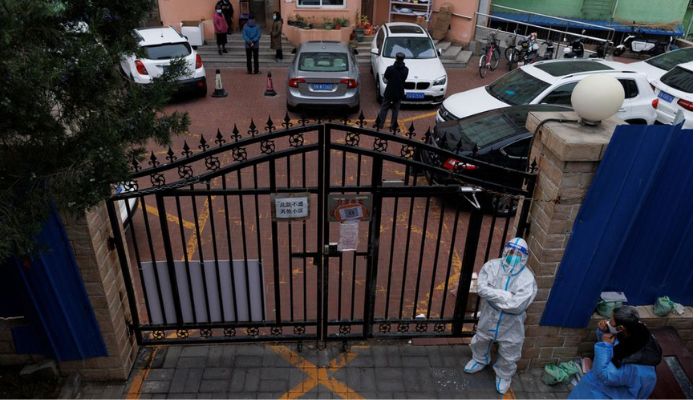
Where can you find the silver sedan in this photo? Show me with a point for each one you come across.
(324, 74)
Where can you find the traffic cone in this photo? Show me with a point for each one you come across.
(219, 90)
(269, 90)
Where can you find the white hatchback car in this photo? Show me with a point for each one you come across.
(551, 82)
(160, 46)
(656, 66)
(675, 95)
(427, 78)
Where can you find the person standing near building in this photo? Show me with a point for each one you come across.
(251, 37)
(507, 287)
(220, 29)
(395, 78)
(276, 35)
(624, 365)
(227, 9)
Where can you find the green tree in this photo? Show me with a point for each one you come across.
(69, 122)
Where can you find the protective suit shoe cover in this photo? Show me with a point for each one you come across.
(473, 366)
(502, 385)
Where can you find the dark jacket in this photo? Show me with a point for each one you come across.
(395, 76)
(276, 35)
(226, 8)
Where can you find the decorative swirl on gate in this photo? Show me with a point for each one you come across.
(296, 140)
(183, 333)
(380, 145)
(267, 146)
(212, 163)
(185, 171)
(384, 327)
(205, 332)
(344, 329)
(157, 179)
(239, 154)
(421, 327)
(253, 331)
(407, 151)
(403, 327)
(130, 186)
(439, 327)
(352, 139)
(158, 335)
(229, 332)
(299, 329)
(276, 331)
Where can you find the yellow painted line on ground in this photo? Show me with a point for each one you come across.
(134, 390)
(317, 375)
(417, 117)
(171, 218)
(202, 220)
(510, 395)
(440, 287)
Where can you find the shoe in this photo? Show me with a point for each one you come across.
(225, 51)
(502, 385)
(473, 366)
(256, 72)
(219, 51)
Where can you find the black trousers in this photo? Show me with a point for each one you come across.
(252, 52)
(278, 54)
(387, 104)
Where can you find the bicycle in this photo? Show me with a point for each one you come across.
(491, 57)
(525, 53)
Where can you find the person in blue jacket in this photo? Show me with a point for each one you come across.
(251, 37)
(625, 358)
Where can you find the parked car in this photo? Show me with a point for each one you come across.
(323, 73)
(498, 137)
(159, 47)
(674, 91)
(656, 66)
(551, 82)
(427, 78)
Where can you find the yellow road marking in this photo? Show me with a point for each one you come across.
(417, 117)
(440, 287)
(202, 220)
(171, 218)
(134, 390)
(317, 375)
(510, 395)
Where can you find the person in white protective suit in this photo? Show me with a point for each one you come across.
(506, 287)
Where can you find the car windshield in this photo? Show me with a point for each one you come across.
(516, 87)
(167, 51)
(493, 126)
(669, 60)
(679, 79)
(412, 47)
(323, 62)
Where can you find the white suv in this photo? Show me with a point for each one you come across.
(160, 46)
(675, 95)
(427, 78)
(551, 82)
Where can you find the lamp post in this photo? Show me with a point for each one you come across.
(596, 98)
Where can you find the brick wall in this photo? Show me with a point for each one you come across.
(568, 156)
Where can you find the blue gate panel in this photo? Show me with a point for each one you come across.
(55, 288)
(634, 229)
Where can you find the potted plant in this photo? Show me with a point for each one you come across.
(366, 25)
(338, 23)
(327, 24)
(359, 30)
(344, 22)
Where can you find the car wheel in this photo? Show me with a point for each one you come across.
(378, 92)
(202, 91)
(292, 108)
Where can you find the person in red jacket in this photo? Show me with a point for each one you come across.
(220, 28)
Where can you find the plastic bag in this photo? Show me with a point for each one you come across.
(663, 306)
(563, 372)
(605, 308)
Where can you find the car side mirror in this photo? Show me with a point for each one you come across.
(439, 51)
(355, 52)
(375, 51)
(294, 50)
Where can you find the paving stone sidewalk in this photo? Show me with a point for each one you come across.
(278, 371)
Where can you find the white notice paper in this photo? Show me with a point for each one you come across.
(349, 232)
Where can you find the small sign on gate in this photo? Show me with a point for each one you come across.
(349, 207)
(290, 206)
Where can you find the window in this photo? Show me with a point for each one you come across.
(560, 95)
(323, 62)
(679, 79)
(630, 86)
(669, 60)
(320, 3)
(518, 149)
(380, 39)
(167, 51)
(516, 87)
(412, 47)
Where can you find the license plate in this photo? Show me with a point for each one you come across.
(322, 86)
(415, 96)
(665, 96)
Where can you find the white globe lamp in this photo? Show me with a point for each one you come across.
(596, 98)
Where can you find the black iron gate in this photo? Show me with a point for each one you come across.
(244, 239)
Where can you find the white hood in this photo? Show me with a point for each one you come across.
(472, 102)
(424, 69)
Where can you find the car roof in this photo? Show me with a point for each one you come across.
(320, 45)
(688, 66)
(552, 71)
(404, 29)
(671, 54)
(158, 35)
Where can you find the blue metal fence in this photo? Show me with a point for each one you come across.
(634, 230)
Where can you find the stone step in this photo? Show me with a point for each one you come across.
(450, 53)
(443, 45)
(463, 56)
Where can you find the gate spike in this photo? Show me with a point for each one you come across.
(394, 129)
(411, 131)
(361, 119)
(219, 138)
(303, 121)
(269, 127)
(426, 136)
(318, 120)
(235, 134)
(135, 163)
(533, 166)
(170, 155)
(186, 150)
(376, 124)
(345, 120)
(203, 143)
(286, 121)
(459, 146)
(154, 161)
(252, 129)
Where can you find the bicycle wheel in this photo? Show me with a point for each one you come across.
(495, 58)
(511, 57)
(482, 66)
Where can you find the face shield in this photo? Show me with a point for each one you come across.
(514, 256)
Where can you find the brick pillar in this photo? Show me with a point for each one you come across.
(101, 272)
(567, 155)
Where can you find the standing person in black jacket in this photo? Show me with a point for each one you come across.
(395, 77)
(227, 9)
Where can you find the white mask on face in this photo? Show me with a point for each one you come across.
(611, 328)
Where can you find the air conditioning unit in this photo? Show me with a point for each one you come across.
(193, 31)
